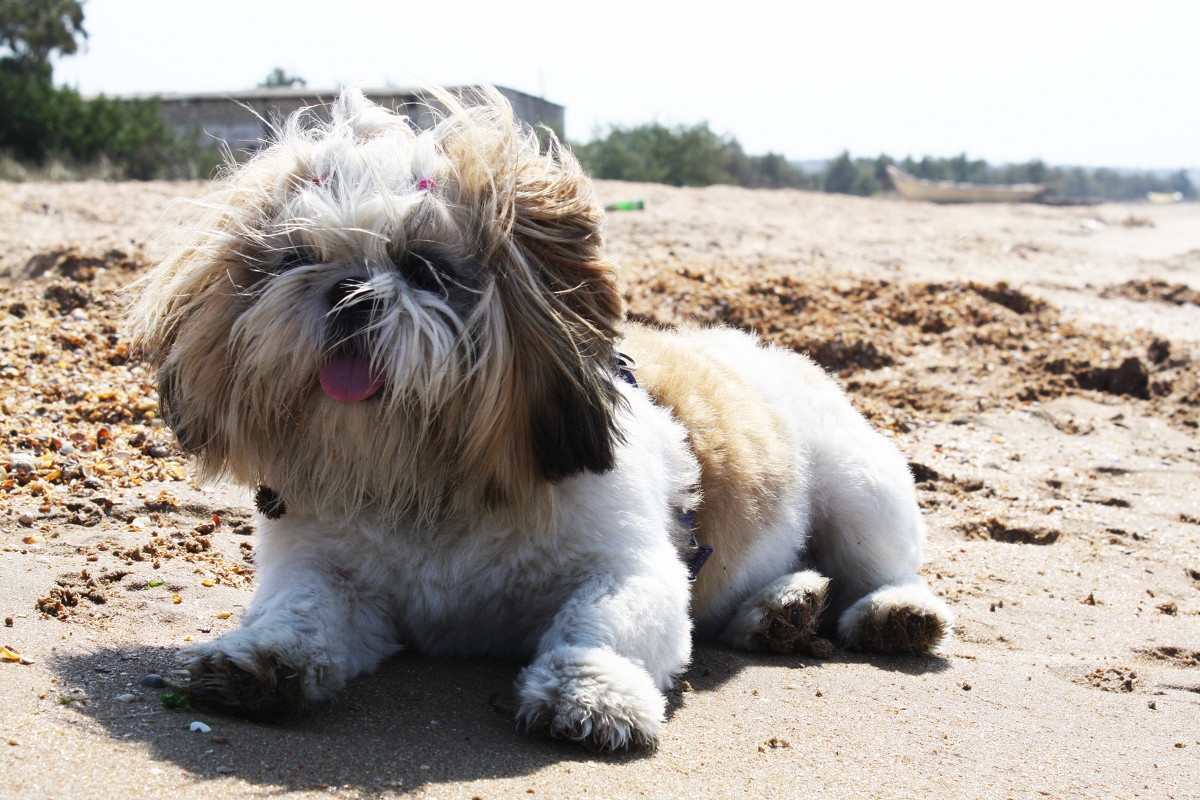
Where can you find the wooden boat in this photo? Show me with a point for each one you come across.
(911, 187)
(1163, 198)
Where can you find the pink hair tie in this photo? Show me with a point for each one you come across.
(425, 184)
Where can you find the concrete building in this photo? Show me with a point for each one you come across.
(242, 119)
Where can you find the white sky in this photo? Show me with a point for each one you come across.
(1097, 83)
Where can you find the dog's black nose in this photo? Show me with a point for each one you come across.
(344, 289)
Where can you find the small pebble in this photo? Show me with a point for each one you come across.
(127, 697)
(26, 519)
(22, 464)
(153, 681)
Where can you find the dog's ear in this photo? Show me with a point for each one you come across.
(567, 319)
(170, 405)
(179, 313)
(539, 231)
(187, 339)
(572, 422)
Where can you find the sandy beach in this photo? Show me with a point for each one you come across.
(1037, 366)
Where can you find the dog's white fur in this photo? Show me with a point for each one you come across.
(504, 493)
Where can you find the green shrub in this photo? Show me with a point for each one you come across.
(686, 155)
(125, 139)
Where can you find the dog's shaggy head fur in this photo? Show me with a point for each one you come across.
(370, 316)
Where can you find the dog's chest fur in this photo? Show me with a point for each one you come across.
(457, 592)
(488, 587)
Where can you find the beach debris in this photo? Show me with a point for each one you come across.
(153, 681)
(174, 702)
(1111, 679)
(199, 727)
(12, 656)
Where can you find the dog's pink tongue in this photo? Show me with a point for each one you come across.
(349, 378)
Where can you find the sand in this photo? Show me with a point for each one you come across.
(1037, 366)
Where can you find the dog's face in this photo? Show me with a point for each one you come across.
(369, 316)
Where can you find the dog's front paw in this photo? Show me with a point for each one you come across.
(896, 619)
(256, 678)
(592, 696)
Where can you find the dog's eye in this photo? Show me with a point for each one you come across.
(423, 272)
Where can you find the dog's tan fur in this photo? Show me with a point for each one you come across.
(741, 443)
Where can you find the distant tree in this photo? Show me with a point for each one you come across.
(881, 173)
(773, 171)
(695, 156)
(33, 29)
(687, 155)
(1035, 172)
(40, 122)
(1182, 183)
(840, 175)
(1072, 182)
(279, 78)
(860, 176)
(35, 113)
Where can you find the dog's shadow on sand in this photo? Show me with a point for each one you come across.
(414, 722)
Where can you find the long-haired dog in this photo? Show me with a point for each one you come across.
(412, 344)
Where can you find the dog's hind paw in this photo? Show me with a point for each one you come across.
(782, 617)
(896, 619)
(592, 696)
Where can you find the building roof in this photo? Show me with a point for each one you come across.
(264, 93)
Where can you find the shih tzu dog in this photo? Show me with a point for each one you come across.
(412, 344)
